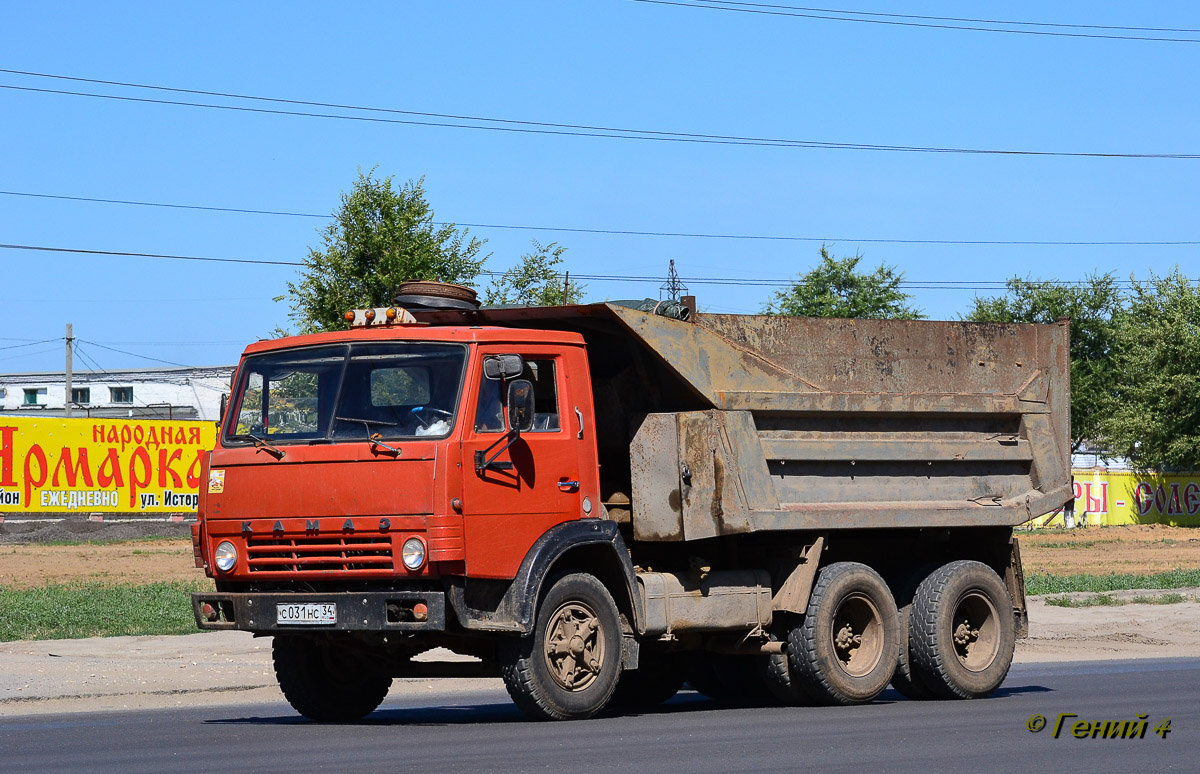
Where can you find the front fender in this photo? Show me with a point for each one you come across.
(510, 606)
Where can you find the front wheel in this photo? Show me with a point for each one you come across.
(324, 682)
(568, 668)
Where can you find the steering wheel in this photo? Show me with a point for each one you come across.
(416, 412)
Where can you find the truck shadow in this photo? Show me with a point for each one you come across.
(503, 712)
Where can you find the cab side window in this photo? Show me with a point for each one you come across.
(489, 412)
(545, 394)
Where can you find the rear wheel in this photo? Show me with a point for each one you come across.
(907, 679)
(844, 650)
(777, 675)
(962, 630)
(567, 669)
(324, 682)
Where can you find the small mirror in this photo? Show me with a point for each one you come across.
(224, 405)
(503, 366)
(520, 405)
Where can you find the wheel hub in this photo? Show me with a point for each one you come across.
(963, 634)
(976, 632)
(846, 638)
(574, 649)
(857, 635)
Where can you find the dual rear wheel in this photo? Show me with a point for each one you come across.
(954, 637)
(961, 634)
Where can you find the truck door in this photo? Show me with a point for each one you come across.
(534, 483)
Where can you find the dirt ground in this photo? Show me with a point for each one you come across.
(1142, 549)
(30, 564)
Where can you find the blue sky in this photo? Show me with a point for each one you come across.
(608, 63)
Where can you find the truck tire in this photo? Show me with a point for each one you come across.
(659, 677)
(568, 667)
(777, 676)
(907, 679)
(324, 683)
(844, 650)
(962, 631)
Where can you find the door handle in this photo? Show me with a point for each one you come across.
(567, 485)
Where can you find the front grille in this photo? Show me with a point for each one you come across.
(320, 554)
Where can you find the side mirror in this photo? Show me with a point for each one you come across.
(520, 405)
(503, 366)
(224, 406)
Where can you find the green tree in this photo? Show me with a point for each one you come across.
(380, 236)
(1094, 307)
(535, 281)
(1155, 420)
(836, 288)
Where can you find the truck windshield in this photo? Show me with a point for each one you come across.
(347, 392)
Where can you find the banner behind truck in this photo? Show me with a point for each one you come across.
(57, 465)
(1108, 497)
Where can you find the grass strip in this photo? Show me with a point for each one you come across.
(71, 611)
(1046, 583)
(1100, 600)
(1104, 600)
(1073, 544)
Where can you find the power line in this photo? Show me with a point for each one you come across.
(134, 354)
(149, 255)
(540, 127)
(27, 354)
(737, 281)
(161, 204)
(31, 344)
(829, 15)
(629, 232)
(959, 19)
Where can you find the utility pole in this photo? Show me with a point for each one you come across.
(672, 287)
(70, 344)
(566, 287)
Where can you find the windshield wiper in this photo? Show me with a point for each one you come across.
(373, 438)
(262, 443)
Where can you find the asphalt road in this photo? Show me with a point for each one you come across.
(484, 732)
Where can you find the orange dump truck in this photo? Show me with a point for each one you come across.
(601, 502)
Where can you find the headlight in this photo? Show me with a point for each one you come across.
(413, 553)
(225, 557)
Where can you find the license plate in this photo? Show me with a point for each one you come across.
(306, 613)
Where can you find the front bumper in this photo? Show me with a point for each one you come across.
(362, 611)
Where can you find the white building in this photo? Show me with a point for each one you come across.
(148, 393)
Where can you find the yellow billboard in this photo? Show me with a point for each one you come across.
(58, 465)
(1104, 497)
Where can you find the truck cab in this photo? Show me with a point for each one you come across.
(338, 450)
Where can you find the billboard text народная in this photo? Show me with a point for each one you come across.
(55, 465)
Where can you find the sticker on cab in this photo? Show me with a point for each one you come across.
(216, 481)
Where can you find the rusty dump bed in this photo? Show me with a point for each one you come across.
(730, 424)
